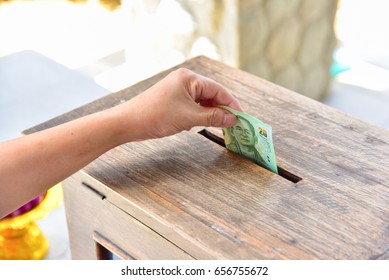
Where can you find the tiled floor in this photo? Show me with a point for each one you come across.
(369, 105)
(34, 89)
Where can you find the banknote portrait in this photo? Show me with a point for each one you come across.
(244, 140)
(252, 139)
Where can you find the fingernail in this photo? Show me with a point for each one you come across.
(229, 119)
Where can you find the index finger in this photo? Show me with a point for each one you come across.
(211, 93)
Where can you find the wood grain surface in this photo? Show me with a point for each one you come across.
(213, 204)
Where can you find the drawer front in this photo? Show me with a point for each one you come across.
(98, 229)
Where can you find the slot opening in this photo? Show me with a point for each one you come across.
(106, 250)
(220, 141)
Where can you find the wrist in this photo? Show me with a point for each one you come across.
(123, 124)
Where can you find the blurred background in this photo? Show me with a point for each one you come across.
(58, 55)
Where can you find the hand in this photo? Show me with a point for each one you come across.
(179, 102)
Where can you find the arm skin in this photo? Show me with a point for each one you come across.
(31, 164)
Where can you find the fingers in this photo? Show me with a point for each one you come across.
(208, 92)
(219, 96)
(211, 92)
(179, 102)
(215, 117)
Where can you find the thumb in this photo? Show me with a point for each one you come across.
(216, 117)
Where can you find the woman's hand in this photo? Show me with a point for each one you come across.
(178, 102)
(38, 161)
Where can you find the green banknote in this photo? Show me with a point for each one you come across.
(252, 139)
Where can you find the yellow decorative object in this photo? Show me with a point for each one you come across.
(20, 236)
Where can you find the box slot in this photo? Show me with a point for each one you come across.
(220, 141)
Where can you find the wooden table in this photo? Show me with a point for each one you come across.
(188, 197)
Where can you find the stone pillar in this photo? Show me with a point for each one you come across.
(288, 42)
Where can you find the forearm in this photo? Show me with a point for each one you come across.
(31, 164)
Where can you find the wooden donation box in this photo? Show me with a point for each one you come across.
(187, 197)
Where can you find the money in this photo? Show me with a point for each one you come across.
(252, 139)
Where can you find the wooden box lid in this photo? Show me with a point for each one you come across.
(215, 204)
